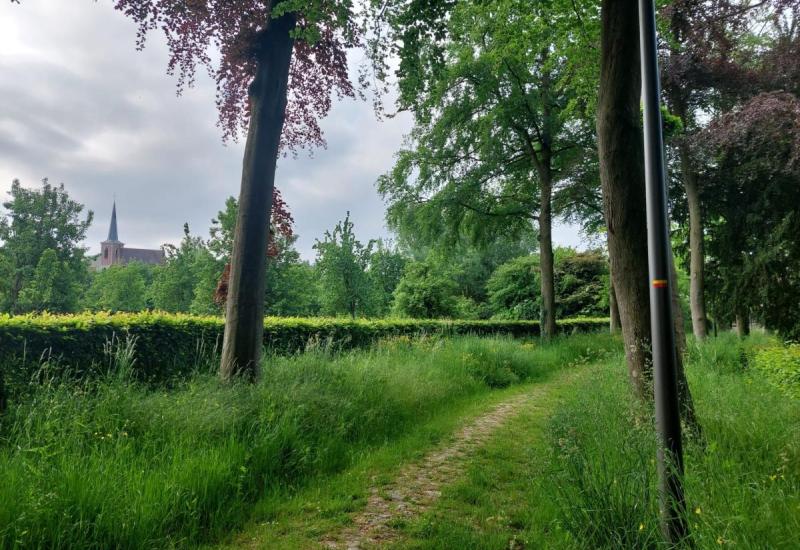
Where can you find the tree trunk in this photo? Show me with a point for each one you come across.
(546, 262)
(621, 153)
(743, 323)
(684, 393)
(620, 148)
(677, 313)
(244, 322)
(697, 301)
(615, 325)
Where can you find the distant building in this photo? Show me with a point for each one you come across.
(114, 252)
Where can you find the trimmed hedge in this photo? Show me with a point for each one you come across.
(168, 345)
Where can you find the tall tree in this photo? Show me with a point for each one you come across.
(280, 64)
(342, 263)
(52, 287)
(292, 285)
(174, 283)
(621, 149)
(222, 231)
(37, 221)
(751, 168)
(386, 267)
(493, 136)
(426, 291)
(705, 57)
(119, 288)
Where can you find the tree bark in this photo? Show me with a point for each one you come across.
(244, 322)
(677, 314)
(678, 96)
(546, 261)
(620, 148)
(697, 301)
(684, 393)
(742, 323)
(621, 153)
(615, 325)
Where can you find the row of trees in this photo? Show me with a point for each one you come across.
(519, 116)
(375, 279)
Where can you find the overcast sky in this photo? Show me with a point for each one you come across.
(80, 105)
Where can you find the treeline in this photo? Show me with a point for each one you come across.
(522, 115)
(47, 269)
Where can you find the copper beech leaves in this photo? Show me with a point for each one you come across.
(223, 36)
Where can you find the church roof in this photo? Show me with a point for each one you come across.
(112, 229)
(144, 255)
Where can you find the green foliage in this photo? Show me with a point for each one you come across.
(425, 292)
(119, 288)
(342, 263)
(115, 464)
(292, 288)
(750, 194)
(41, 258)
(580, 280)
(386, 268)
(221, 231)
(187, 280)
(742, 483)
(781, 365)
(171, 345)
(514, 289)
(580, 284)
(53, 286)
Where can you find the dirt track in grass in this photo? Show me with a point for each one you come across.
(418, 485)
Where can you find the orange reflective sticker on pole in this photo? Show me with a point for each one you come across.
(659, 283)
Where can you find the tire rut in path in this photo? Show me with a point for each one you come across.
(419, 484)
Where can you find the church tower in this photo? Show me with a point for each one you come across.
(111, 248)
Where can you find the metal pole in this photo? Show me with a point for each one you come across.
(670, 452)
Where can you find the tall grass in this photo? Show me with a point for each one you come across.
(114, 464)
(742, 483)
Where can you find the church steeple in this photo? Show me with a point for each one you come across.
(112, 230)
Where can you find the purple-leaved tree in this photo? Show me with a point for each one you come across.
(280, 65)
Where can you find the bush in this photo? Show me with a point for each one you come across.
(173, 345)
(781, 365)
(426, 290)
(514, 289)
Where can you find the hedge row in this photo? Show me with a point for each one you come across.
(168, 345)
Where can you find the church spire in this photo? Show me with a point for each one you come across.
(112, 230)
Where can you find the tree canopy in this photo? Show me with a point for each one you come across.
(42, 258)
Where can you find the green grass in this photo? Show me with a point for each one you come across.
(112, 463)
(584, 477)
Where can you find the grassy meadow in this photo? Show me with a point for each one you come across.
(583, 475)
(113, 463)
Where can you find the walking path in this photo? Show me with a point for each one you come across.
(419, 484)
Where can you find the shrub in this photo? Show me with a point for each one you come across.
(173, 345)
(781, 365)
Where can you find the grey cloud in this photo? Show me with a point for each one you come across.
(78, 104)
